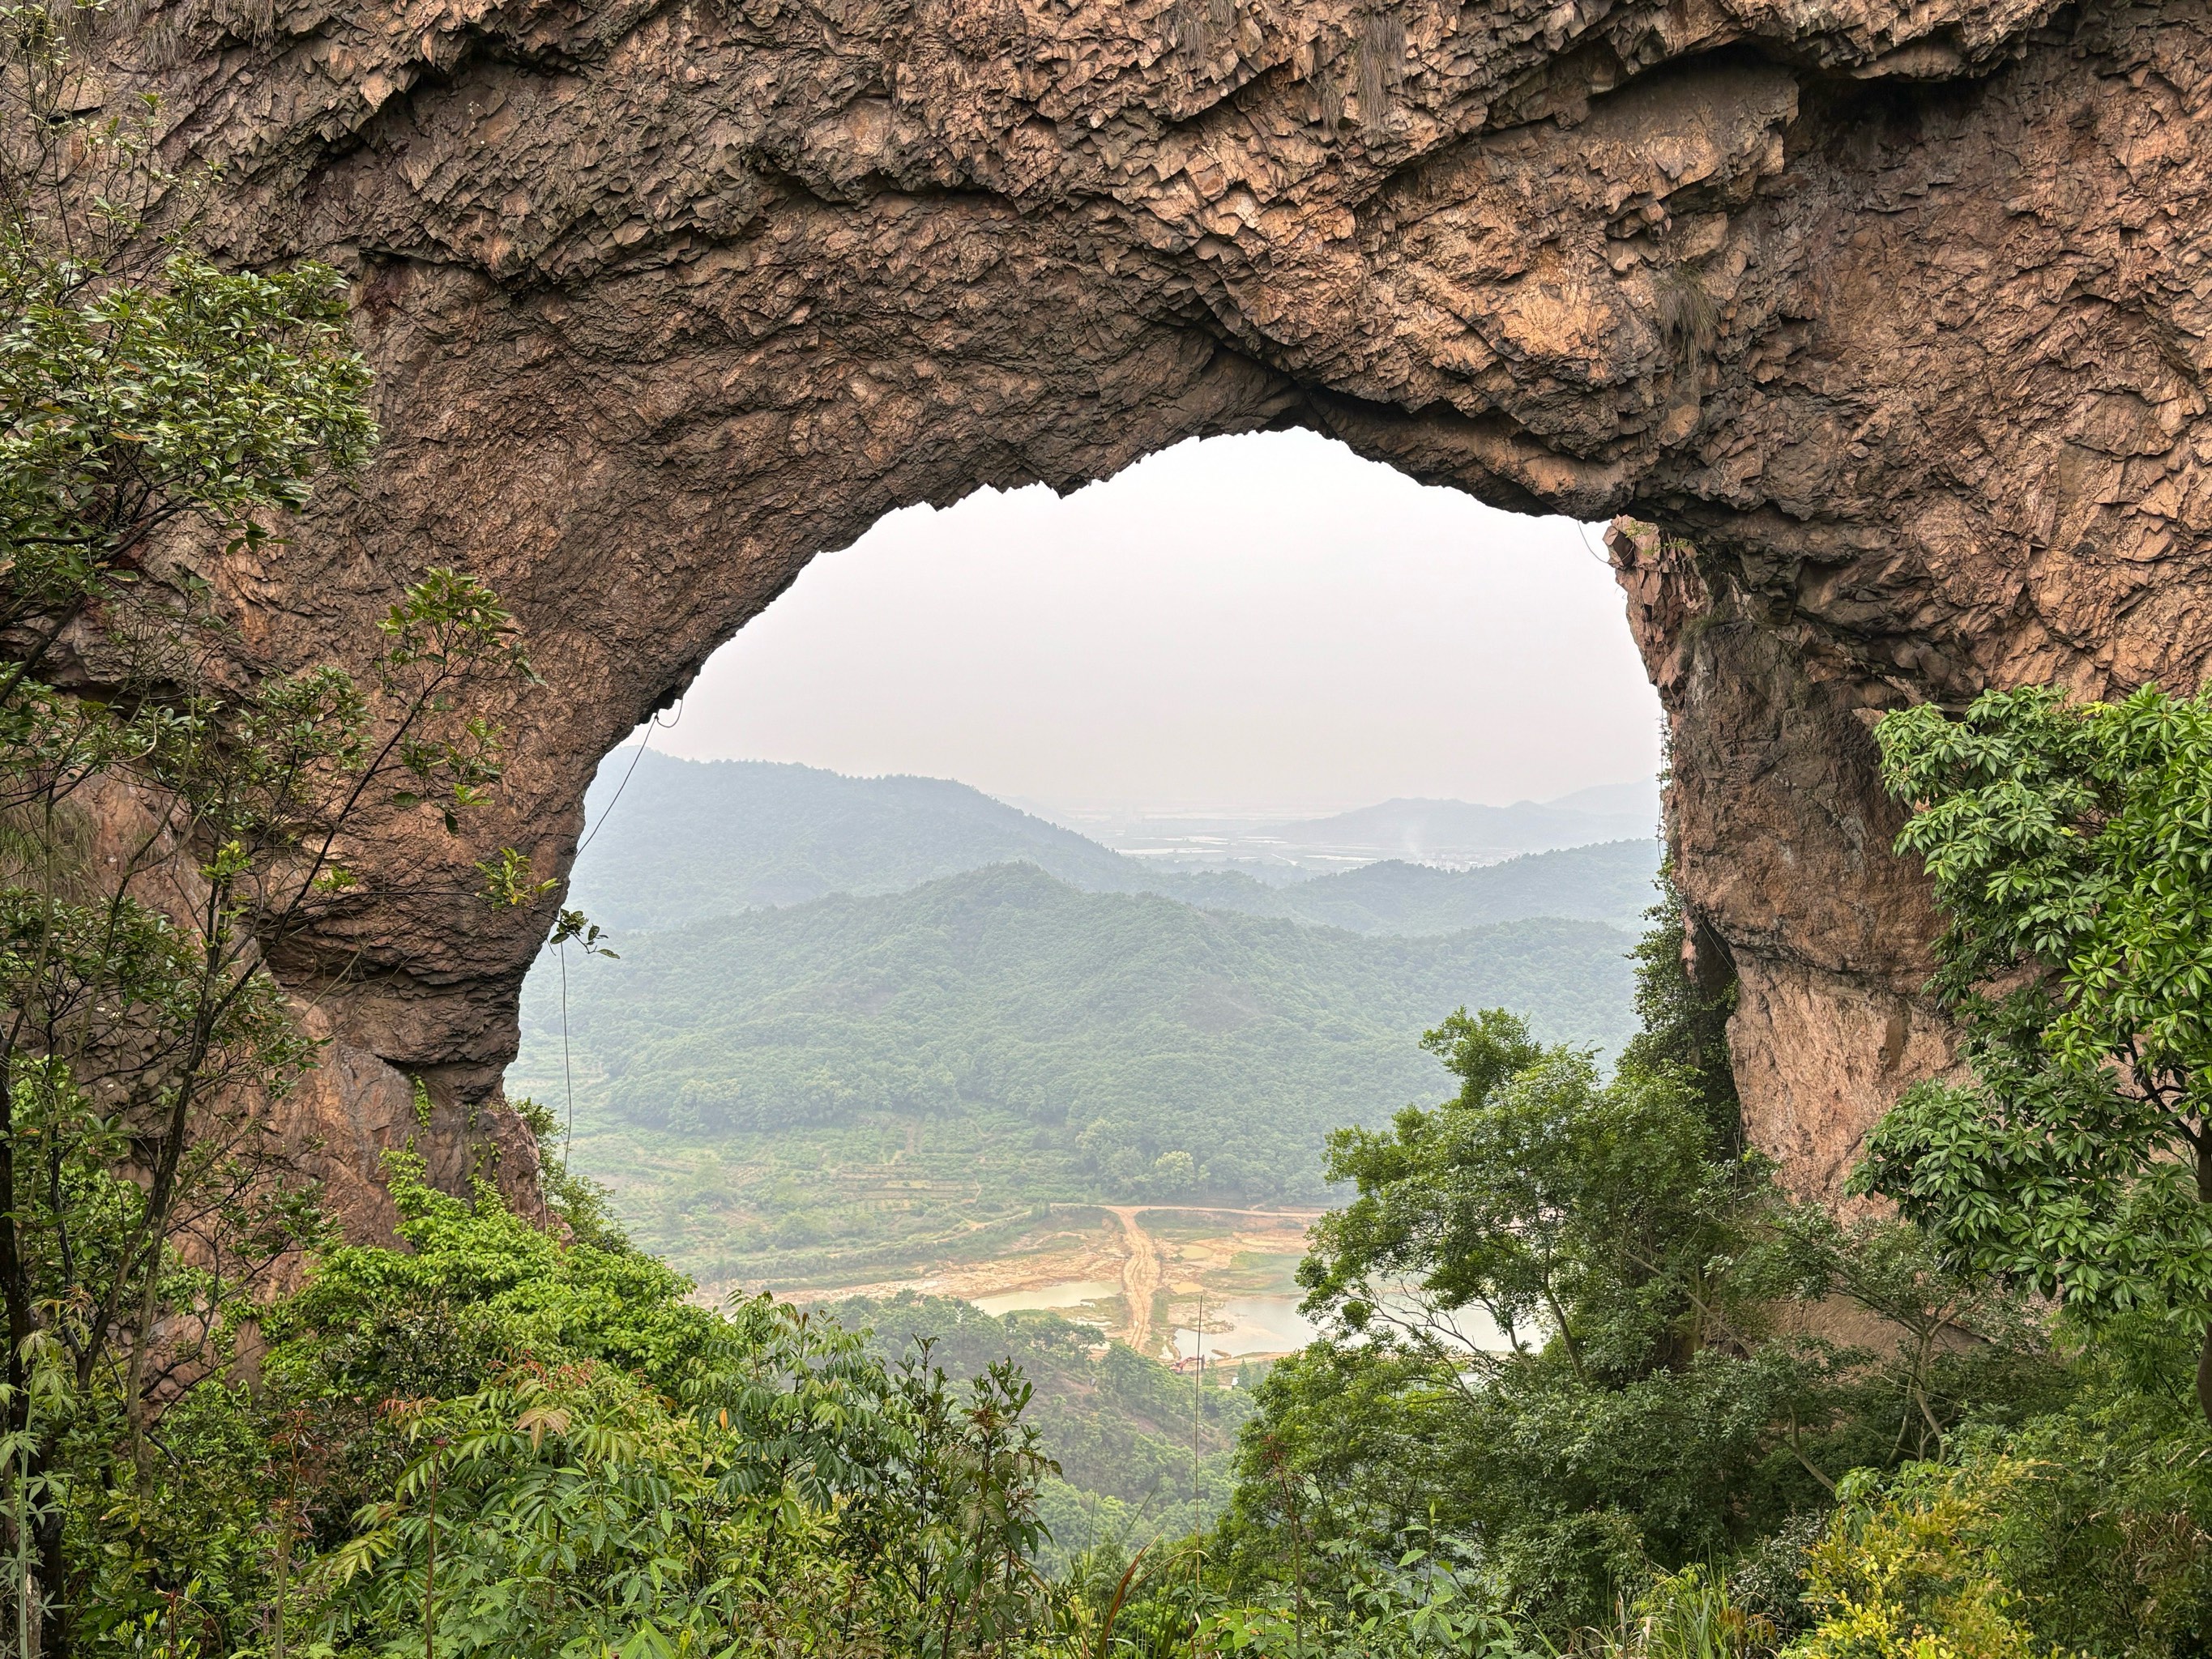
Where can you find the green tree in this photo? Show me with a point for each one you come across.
(1683, 1016)
(1601, 1218)
(171, 817)
(2070, 845)
(955, 1525)
(493, 1439)
(559, 1510)
(1629, 1409)
(1657, 1395)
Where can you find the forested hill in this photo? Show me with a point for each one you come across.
(1153, 1048)
(691, 839)
(688, 840)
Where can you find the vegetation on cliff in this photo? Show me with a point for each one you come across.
(2071, 847)
(165, 831)
(1727, 1424)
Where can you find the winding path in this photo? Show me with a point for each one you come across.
(1140, 1275)
(1140, 1267)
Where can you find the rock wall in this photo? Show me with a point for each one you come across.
(1892, 319)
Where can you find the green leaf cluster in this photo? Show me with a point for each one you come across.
(2070, 845)
(1570, 1321)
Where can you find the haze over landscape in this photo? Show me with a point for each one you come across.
(1015, 907)
(1263, 626)
(895, 1046)
(1156, 1052)
(817, 961)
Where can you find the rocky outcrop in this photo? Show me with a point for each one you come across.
(1893, 320)
(1780, 836)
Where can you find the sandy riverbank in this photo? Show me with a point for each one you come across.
(1138, 1271)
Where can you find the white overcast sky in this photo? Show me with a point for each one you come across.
(1238, 625)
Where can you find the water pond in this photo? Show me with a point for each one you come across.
(1242, 1325)
(1074, 1293)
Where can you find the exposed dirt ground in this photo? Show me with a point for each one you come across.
(1155, 1253)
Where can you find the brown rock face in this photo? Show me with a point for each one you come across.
(1895, 315)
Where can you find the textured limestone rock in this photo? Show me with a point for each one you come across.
(1895, 315)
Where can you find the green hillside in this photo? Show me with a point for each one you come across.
(1007, 1041)
(1120, 1426)
(689, 840)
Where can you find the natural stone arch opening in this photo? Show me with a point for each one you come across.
(1893, 316)
(1260, 627)
(1081, 583)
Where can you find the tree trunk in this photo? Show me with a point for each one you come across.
(47, 1603)
(54, 1594)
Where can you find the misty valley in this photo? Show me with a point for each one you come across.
(894, 1048)
(836, 1088)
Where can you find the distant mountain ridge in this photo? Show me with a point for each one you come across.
(690, 840)
(1456, 832)
(1639, 799)
(1610, 883)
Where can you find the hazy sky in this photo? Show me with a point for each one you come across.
(1239, 625)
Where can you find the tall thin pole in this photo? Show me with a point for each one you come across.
(22, 1483)
(284, 1568)
(1197, 1523)
(568, 1077)
(1197, 1379)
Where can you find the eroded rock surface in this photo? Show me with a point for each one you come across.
(1892, 319)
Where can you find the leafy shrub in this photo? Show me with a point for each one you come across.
(1908, 1572)
(2069, 844)
(1769, 1581)
(1419, 1599)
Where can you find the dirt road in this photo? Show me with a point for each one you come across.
(1140, 1267)
(1140, 1276)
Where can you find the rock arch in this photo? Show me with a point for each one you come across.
(1891, 319)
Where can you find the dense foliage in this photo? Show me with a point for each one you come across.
(2071, 845)
(1686, 1454)
(167, 823)
(1682, 1453)
(1673, 1384)
(1122, 1428)
(508, 1444)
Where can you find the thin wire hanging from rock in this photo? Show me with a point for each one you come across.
(643, 744)
(568, 1074)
